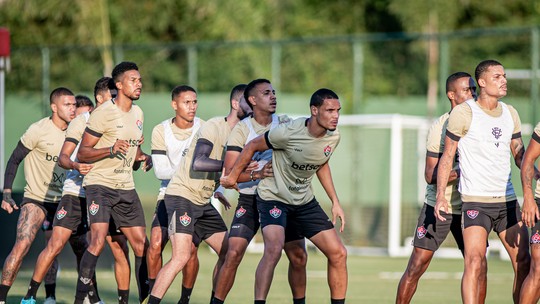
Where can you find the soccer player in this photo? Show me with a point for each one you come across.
(39, 146)
(261, 97)
(191, 216)
(111, 142)
(171, 140)
(485, 133)
(301, 149)
(430, 233)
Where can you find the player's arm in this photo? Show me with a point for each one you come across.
(325, 177)
(201, 157)
(517, 148)
(529, 210)
(443, 173)
(64, 159)
(259, 143)
(143, 159)
(432, 166)
(17, 156)
(250, 173)
(89, 154)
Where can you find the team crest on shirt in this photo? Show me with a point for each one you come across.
(472, 214)
(241, 211)
(46, 224)
(93, 209)
(421, 232)
(327, 150)
(139, 124)
(275, 212)
(497, 133)
(535, 238)
(185, 219)
(60, 214)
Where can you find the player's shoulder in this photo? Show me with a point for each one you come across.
(440, 121)
(41, 125)
(216, 122)
(284, 119)
(161, 124)
(80, 119)
(103, 108)
(462, 109)
(511, 108)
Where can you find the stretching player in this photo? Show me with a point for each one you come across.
(430, 233)
(301, 149)
(191, 215)
(261, 98)
(171, 140)
(40, 146)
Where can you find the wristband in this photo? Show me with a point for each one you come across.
(111, 154)
(251, 175)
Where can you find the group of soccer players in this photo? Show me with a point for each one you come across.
(79, 165)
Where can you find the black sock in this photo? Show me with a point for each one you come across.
(337, 301)
(32, 290)
(123, 296)
(141, 273)
(153, 300)
(3, 292)
(50, 290)
(260, 302)
(151, 283)
(86, 273)
(186, 294)
(217, 301)
(299, 301)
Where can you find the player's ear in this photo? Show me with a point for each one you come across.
(451, 95)
(174, 105)
(481, 82)
(235, 104)
(251, 100)
(54, 107)
(314, 110)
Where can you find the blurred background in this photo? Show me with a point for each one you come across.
(387, 60)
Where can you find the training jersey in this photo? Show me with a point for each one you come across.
(198, 186)
(109, 123)
(296, 158)
(44, 178)
(536, 137)
(169, 145)
(484, 150)
(244, 132)
(74, 134)
(435, 148)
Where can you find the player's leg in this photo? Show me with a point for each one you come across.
(236, 249)
(530, 290)
(218, 243)
(158, 240)
(418, 264)
(122, 271)
(50, 276)
(189, 275)
(475, 238)
(297, 255)
(515, 238)
(29, 222)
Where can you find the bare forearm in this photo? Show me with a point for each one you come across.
(527, 175)
(90, 154)
(443, 174)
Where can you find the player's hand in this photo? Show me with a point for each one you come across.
(253, 165)
(8, 203)
(120, 146)
(442, 204)
(266, 171)
(529, 213)
(227, 182)
(83, 168)
(145, 160)
(141, 141)
(222, 199)
(337, 212)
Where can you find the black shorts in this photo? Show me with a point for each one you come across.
(492, 216)
(306, 220)
(71, 214)
(123, 206)
(161, 217)
(535, 231)
(48, 208)
(245, 222)
(186, 217)
(430, 233)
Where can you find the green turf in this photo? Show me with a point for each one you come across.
(371, 280)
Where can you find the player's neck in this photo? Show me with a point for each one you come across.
(487, 102)
(59, 122)
(182, 123)
(232, 119)
(314, 129)
(262, 118)
(123, 102)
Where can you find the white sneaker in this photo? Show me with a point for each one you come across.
(50, 300)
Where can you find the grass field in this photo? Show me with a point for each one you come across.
(371, 280)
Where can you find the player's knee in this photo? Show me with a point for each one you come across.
(298, 259)
(20, 249)
(54, 247)
(339, 255)
(475, 262)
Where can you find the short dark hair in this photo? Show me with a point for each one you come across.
(83, 101)
(249, 89)
(237, 91)
(320, 95)
(121, 68)
(483, 66)
(452, 78)
(181, 89)
(104, 84)
(59, 92)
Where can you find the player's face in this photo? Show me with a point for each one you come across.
(265, 97)
(185, 105)
(327, 114)
(64, 107)
(494, 81)
(130, 85)
(82, 109)
(464, 89)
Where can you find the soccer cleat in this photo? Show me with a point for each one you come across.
(49, 300)
(29, 301)
(145, 301)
